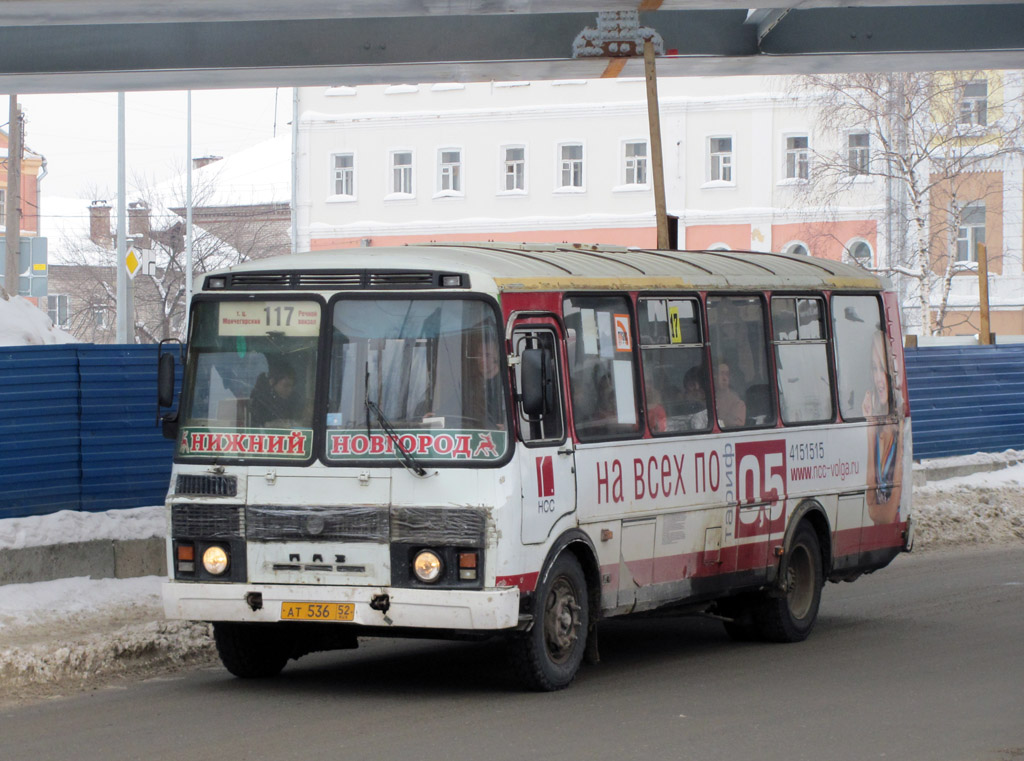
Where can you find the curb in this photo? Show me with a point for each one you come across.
(936, 471)
(97, 559)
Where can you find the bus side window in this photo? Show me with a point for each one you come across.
(601, 367)
(739, 359)
(675, 372)
(547, 426)
(801, 359)
(862, 370)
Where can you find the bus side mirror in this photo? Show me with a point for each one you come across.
(165, 395)
(536, 373)
(165, 380)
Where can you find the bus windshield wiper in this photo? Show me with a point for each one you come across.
(407, 457)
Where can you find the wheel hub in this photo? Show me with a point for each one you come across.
(561, 620)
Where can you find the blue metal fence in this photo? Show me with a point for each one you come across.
(77, 429)
(78, 432)
(966, 399)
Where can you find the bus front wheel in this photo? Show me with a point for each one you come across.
(790, 616)
(251, 651)
(548, 656)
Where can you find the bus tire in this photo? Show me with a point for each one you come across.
(250, 651)
(547, 657)
(789, 617)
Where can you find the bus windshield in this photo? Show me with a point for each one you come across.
(251, 376)
(431, 367)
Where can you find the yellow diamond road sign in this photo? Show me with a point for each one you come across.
(133, 262)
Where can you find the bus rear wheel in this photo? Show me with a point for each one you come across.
(251, 651)
(548, 656)
(791, 616)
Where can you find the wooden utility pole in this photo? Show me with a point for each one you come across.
(658, 169)
(12, 218)
(986, 331)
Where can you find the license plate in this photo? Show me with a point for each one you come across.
(318, 611)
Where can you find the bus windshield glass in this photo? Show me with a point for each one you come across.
(420, 374)
(251, 377)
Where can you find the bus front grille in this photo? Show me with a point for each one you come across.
(206, 486)
(351, 523)
(206, 522)
(457, 527)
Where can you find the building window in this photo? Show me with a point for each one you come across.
(636, 163)
(571, 165)
(449, 168)
(401, 172)
(344, 168)
(99, 314)
(859, 152)
(57, 309)
(797, 249)
(861, 252)
(515, 169)
(974, 103)
(797, 165)
(721, 159)
(970, 232)
(3, 205)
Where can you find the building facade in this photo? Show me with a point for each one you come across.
(570, 161)
(565, 161)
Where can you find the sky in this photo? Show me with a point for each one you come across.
(77, 133)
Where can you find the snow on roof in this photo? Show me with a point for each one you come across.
(24, 324)
(260, 174)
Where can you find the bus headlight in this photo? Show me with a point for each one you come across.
(215, 560)
(427, 566)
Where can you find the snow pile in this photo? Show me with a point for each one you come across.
(72, 526)
(981, 508)
(72, 633)
(23, 324)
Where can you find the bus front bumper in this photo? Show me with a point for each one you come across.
(467, 610)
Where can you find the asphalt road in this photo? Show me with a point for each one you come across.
(923, 660)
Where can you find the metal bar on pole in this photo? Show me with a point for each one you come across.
(985, 337)
(13, 211)
(654, 119)
(188, 210)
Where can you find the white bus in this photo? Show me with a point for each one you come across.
(519, 440)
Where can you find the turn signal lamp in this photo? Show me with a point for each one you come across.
(186, 558)
(467, 566)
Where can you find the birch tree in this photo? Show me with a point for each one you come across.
(936, 140)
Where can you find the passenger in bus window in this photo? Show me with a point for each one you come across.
(885, 464)
(656, 417)
(273, 401)
(695, 397)
(732, 411)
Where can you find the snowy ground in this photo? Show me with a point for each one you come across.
(60, 637)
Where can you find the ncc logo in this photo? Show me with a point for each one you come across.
(545, 477)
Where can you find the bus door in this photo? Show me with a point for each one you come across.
(547, 461)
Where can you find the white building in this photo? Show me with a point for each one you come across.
(564, 161)
(570, 161)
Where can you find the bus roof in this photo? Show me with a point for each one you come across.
(531, 267)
